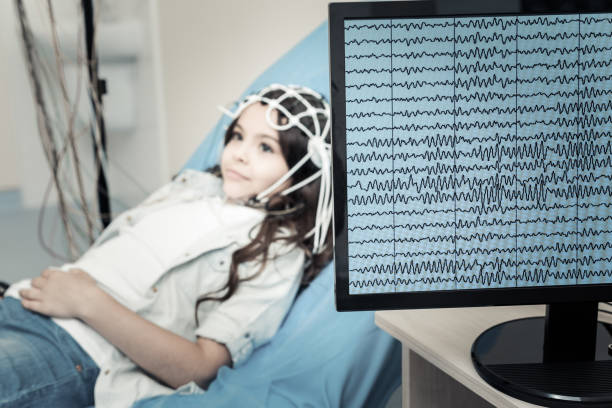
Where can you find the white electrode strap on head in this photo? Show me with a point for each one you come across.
(262, 196)
(319, 150)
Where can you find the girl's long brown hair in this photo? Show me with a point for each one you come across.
(296, 211)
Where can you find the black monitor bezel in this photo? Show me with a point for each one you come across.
(338, 12)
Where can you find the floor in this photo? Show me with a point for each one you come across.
(21, 251)
(396, 399)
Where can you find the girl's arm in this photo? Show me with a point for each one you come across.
(170, 358)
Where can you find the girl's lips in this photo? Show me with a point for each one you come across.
(235, 175)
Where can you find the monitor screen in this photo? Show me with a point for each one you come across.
(473, 167)
(475, 157)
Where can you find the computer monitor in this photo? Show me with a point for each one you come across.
(474, 168)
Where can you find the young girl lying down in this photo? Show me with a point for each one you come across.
(194, 278)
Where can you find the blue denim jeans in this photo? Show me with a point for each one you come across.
(40, 363)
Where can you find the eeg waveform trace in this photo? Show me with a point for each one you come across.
(479, 152)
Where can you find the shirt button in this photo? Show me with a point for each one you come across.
(247, 335)
(154, 289)
(106, 372)
(78, 368)
(184, 179)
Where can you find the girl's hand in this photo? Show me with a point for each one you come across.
(59, 294)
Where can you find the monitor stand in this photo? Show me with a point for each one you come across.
(561, 360)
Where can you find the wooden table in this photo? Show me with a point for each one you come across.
(437, 369)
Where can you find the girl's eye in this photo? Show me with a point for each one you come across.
(266, 148)
(236, 136)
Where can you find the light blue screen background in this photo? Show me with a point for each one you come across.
(478, 152)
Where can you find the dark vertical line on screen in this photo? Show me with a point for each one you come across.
(393, 163)
(455, 140)
(516, 67)
(577, 143)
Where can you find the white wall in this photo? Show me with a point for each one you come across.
(132, 106)
(20, 127)
(8, 162)
(212, 50)
(195, 55)
(9, 173)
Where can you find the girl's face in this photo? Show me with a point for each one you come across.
(252, 159)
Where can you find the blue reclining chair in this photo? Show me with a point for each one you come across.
(319, 357)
